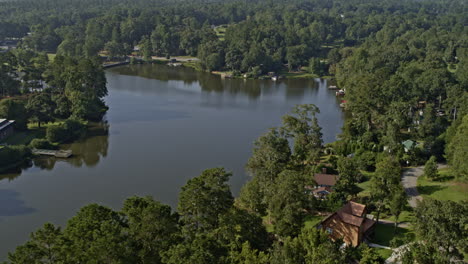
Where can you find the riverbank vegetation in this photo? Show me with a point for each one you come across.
(402, 66)
(50, 102)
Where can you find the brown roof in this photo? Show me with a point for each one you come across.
(354, 208)
(349, 223)
(368, 223)
(350, 219)
(325, 179)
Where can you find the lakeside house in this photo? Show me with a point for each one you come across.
(324, 184)
(325, 180)
(6, 128)
(350, 223)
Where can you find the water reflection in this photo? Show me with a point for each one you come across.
(187, 79)
(86, 152)
(12, 205)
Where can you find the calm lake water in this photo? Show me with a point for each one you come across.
(165, 125)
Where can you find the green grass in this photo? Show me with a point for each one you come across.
(405, 216)
(444, 188)
(298, 75)
(193, 64)
(51, 56)
(268, 225)
(310, 221)
(384, 253)
(365, 189)
(220, 32)
(383, 234)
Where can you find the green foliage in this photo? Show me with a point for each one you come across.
(153, 227)
(442, 226)
(46, 245)
(40, 108)
(70, 130)
(97, 234)
(430, 169)
(348, 177)
(40, 143)
(12, 109)
(457, 150)
(369, 256)
(302, 126)
(385, 185)
(287, 203)
(203, 199)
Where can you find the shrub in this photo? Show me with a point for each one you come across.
(70, 130)
(41, 143)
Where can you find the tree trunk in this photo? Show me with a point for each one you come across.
(396, 225)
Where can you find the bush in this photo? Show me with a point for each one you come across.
(41, 143)
(70, 130)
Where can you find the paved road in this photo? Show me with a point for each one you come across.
(409, 179)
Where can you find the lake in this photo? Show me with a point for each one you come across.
(165, 125)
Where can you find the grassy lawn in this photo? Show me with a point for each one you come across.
(298, 75)
(405, 216)
(443, 188)
(51, 56)
(365, 189)
(310, 221)
(192, 64)
(220, 32)
(383, 234)
(25, 137)
(384, 253)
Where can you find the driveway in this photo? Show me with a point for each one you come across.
(409, 179)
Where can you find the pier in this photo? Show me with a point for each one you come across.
(55, 153)
(106, 66)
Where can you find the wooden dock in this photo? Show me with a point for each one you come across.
(107, 66)
(56, 153)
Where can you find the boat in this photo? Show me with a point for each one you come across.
(274, 78)
(341, 92)
(332, 87)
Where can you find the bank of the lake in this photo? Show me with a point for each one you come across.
(164, 126)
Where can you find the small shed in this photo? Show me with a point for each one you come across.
(408, 144)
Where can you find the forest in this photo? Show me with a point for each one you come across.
(402, 64)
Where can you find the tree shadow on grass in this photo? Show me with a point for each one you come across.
(430, 189)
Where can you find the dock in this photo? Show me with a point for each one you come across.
(56, 153)
(107, 66)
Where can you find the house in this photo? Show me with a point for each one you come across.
(325, 180)
(6, 128)
(350, 224)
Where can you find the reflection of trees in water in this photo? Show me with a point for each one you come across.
(159, 72)
(13, 173)
(293, 88)
(87, 151)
